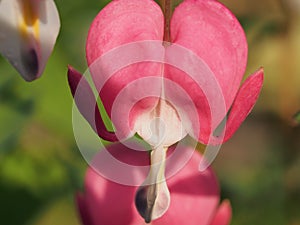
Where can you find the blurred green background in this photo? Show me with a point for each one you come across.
(259, 168)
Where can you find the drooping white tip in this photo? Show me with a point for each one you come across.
(28, 32)
(153, 198)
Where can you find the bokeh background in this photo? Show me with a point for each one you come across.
(259, 168)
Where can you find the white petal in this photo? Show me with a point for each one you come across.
(28, 32)
(158, 164)
(161, 126)
(152, 199)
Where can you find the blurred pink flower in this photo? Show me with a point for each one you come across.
(195, 196)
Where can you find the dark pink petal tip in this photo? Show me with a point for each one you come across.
(244, 102)
(87, 105)
(223, 215)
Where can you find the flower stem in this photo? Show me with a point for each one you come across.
(167, 8)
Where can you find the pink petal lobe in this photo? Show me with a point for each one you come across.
(119, 24)
(122, 22)
(83, 209)
(198, 94)
(87, 105)
(109, 202)
(212, 32)
(223, 215)
(244, 102)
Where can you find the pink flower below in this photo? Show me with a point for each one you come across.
(194, 196)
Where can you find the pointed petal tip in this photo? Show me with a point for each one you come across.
(150, 203)
(71, 70)
(29, 30)
(255, 80)
(30, 79)
(74, 78)
(87, 104)
(261, 69)
(226, 205)
(244, 102)
(69, 67)
(259, 74)
(223, 214)
(28, 64)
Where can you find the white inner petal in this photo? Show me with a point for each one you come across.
(157, 175)
(160, 127)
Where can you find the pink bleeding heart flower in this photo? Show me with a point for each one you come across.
(28, 32)
(165, 91)
(195, 195)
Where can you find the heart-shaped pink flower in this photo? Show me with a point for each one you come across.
(206, 28)
(165, 91)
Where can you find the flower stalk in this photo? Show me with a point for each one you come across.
(167, 8)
